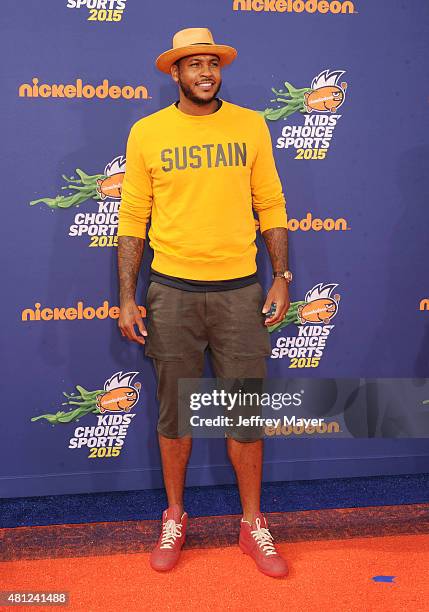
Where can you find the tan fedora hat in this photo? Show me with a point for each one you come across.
(194, 41)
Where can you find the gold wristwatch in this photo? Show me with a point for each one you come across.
(287, 275)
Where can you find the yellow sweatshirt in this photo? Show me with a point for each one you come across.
(197, 178)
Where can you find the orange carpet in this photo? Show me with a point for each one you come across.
(326, 575)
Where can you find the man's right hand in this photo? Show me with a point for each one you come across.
(129, 317)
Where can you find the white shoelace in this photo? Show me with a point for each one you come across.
(264, 539)
(170, 531)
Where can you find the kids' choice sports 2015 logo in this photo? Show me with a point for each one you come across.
(119, 395)
(306, 342)
(100, 10)
(318, 104)
(111, 407)
(97, 226)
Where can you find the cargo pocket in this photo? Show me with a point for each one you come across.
(163, 323)
(245, 336)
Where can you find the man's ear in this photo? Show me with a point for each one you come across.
(174, 71)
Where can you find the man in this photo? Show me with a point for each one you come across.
(196, 168)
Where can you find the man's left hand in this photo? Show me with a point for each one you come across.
(278, 294)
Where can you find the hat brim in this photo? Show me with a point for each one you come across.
(225, 53)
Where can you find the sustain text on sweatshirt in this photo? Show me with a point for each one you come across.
(198, 180)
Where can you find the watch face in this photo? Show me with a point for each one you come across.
(287, 275)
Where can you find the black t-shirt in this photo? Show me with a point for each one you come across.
(218, 100)
(196, 285)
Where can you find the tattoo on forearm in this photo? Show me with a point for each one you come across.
(130, 253)
(277, 245)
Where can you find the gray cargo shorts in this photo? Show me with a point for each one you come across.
(181, 325)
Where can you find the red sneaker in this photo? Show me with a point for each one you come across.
(257, 541)
(166, 553)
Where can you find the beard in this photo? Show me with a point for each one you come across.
(187, 92)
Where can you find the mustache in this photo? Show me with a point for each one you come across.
(188, 93)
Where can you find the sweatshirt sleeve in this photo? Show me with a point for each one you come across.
(267, 194)
(137, 195)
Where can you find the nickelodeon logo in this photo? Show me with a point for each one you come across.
(81, 90)
(295, 6)
(298, 430)
(424, 304)
(310, 223)
(79, 312)
(317, 225)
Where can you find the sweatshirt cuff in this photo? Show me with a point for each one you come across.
(272, 217)
(131, 228)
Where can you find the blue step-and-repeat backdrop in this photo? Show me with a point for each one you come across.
(344, 89)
